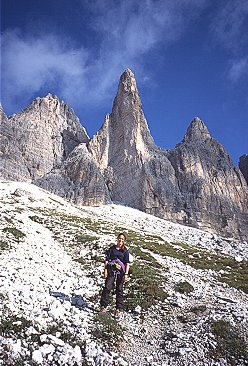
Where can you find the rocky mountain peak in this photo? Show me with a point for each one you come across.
(127, 83)
(46, 131)
(196, 130)
(127, 116)
(124, 135)
(2, 114)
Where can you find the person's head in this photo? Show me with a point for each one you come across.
(121, 241)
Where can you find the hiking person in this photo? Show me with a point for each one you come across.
(116, 268)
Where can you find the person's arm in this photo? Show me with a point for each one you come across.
(107, 257)
(105, 269)
(126, 271)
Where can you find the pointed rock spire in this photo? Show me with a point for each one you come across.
(127, 83)
(196, 131)
(127, 115)
(2, 114)
(124, 135)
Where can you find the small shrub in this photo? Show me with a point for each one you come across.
(184, 287)
(4, 245)
(199, 309)
(230, 344)
(37, 219)
(15, 232)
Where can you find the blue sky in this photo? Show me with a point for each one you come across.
(189, 57)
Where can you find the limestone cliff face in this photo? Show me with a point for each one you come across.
(196, 183)
(121, 147)
(78, 179)
(214, 194)
(11, 161)
(45, 144)
(243, 166)
(39, 138)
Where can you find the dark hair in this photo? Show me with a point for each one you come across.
(123, 248)
(123, 235)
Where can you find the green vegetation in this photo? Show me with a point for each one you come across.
(235, 274)
(230, 344)
(15, 232)
(37, 219)
(184, 287)
(68, 337)
(107, 329)
(13, 325)
(145, 288)
(4, 245)
(198, 309)
(83, 238)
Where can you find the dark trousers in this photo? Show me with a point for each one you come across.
(109, 283)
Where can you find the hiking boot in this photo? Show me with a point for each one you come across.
(117, 313)
(103, 310)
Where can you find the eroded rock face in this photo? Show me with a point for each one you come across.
(196, 183)
(78, 179)
(12, 164)
(35, 140)
(45, 144)
(243, 166)
(214, 194)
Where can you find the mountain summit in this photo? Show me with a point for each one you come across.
(197, 131)
(194, 184)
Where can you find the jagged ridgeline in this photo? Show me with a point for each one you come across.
(195, 184)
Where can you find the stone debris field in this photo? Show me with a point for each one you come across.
(186, 299)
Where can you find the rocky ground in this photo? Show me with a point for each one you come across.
(186, 301)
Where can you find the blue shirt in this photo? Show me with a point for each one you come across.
(113, 253)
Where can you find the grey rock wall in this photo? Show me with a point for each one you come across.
(35, 140)
(195, 183)
(213, 191)
(77, 179)
(243, 166)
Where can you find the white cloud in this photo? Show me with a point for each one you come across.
(229, 28)
(238, 69)
(127, 30)
(29, 63)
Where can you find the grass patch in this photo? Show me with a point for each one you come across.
(83, 238)
(107, 329)
(184, 287)
(144, 288)
(4, 245)
(198, 309)
(86, 264)
(37, 219)
(230, 344)
(234, 273)
(15, 232)
(13, 325)
(65, 335)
